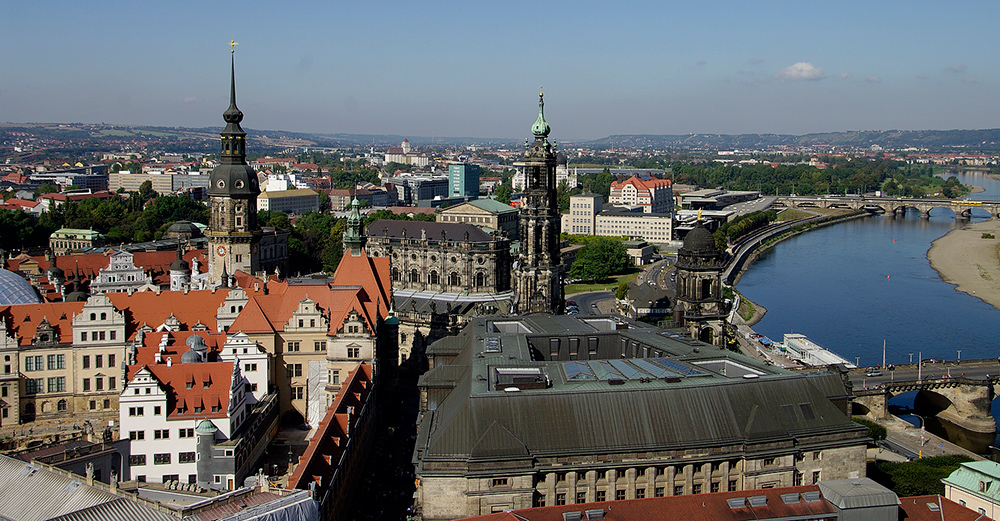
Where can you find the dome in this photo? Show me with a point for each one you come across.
(700, 241)
(180, 265)
(206, 427)
(196, 343)
(16, 290)
(190, 357)
(561, 159)
(55, 273)
(183, 230)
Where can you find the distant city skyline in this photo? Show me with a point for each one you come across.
(471, 70)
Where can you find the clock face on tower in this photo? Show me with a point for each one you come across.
(221, 250)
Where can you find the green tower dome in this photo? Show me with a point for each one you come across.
(541, 127)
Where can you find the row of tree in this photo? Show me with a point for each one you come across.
(742, 225)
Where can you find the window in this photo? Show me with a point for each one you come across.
(353, 352)
(141, 478)
(185, 433)
(111, 358)
(640, 493)
(137, 435)
(4, 391)
(335, 376)
(161, 434)
(198, 408)
(137, 460)
(500, 482)
(185, 457)
(61, 406)
(99, 384)
(297, 393)
(56, 362)
(600, 495)
(107, 403)
(33, 363)
(619, 495)
(292, 347)
(113, 336)
(98, 360)
(161, 459)
(192, 479)
(732, 485)
(92, 404)
(83, 338)
(135, 411)
(696, 488)
(815, 476)
(319, 345)
(581, 497)
(678, 490)
(714, 487)
(170, 477)
(249, 368)
(658, 491)
(57, 384)
(215, 408)
(86, 384)
(561, 498)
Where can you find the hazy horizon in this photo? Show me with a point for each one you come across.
(469, 70)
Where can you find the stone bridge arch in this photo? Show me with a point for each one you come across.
(961, 401)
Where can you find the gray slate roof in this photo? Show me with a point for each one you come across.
(455, 231)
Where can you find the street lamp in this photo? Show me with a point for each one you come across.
(911, 359)
(959, 356)
(857, 361)
(923, 440)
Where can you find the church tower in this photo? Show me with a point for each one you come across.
(700, 307)
(538, 273)
(233, 235)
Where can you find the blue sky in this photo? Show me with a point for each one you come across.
(474, 68)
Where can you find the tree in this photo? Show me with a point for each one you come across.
(324, 201)
(503, 193)
(48, 188)
(622, 290)
(599, 259)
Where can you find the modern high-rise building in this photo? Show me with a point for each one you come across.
(538, 273)
(464, 180)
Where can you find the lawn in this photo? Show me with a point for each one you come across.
(610, 284)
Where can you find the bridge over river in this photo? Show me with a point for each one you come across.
(958, 393)
(890, 205)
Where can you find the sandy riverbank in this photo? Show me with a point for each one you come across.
(962, 257)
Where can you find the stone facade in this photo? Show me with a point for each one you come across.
(700, 308)
(538, 277)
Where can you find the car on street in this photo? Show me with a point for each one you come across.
(874, 372)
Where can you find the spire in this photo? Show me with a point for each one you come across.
(541, 128)
(354, 236)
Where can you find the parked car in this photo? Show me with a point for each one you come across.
(874, 372)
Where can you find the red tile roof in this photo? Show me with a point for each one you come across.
(152, 309)
(320, 458)
(177, 346)
(919, 508)
(641, 184)
(23, 319)
(209, 382)
(698, 506)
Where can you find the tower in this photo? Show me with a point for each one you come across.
(699, 307)
(354, 236)
(538, 273)
(233, 235)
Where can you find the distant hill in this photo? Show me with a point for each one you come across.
(972, 140)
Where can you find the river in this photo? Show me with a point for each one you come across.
(852, 285)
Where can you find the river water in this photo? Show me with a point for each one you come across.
(852, 285)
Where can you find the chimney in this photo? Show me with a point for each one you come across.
(158, 358)
(170, 361)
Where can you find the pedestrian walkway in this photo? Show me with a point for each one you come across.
(916, 443)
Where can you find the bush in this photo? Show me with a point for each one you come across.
(920, 477)
(875, 431)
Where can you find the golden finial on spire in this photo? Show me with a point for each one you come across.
(232, 46)
(540, 94)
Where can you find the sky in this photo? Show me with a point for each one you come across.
(474, 69)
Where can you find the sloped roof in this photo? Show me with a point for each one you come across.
(415, 229)
(23, 319)
(210, 387)
(28, 492)
(935, 508)
(152, 309)
(857, 493)
(968, 475)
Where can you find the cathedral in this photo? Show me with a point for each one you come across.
(538, 272)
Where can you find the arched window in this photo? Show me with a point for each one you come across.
(433, 277)
(93, 316)
(454, 279)
(104, 316)
(395, 275)
(61, 406)
(480, 279)
(414, 275)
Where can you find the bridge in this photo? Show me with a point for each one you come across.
(890, 205)
(962, 401)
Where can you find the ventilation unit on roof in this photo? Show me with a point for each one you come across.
(758, 501)
(736, 502)
(811, 496)
(596, 513)
(572, 516)
(933, 507)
